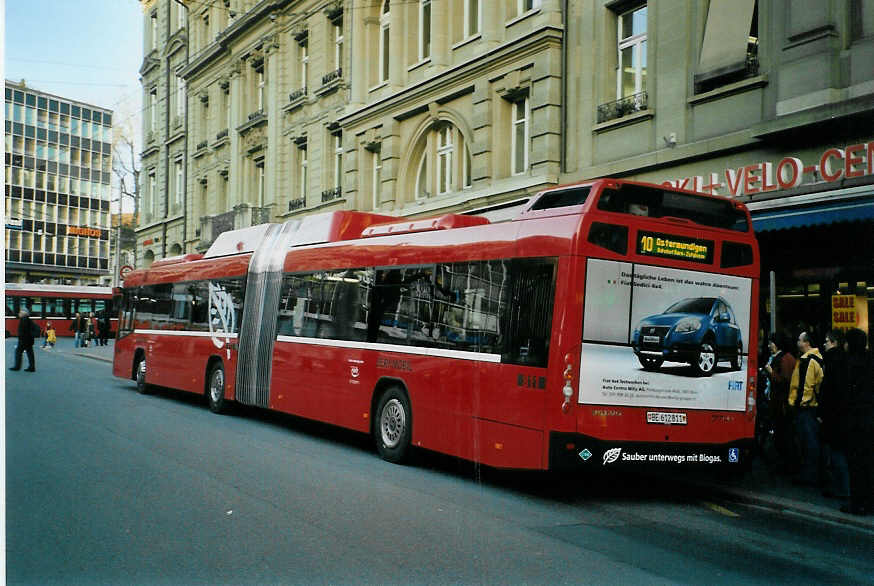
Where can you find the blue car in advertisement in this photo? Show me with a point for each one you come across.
(701, 331)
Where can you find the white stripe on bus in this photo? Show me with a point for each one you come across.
(418, 350)
(186, 333)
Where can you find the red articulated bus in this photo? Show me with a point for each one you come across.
(611, 323)
(57, 304)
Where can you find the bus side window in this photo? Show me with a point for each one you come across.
(10, 307)
(529, 319)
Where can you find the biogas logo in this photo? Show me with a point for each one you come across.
(611, 455)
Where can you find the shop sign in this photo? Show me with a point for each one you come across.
(846, 311)
(80, 231)
(833, 165)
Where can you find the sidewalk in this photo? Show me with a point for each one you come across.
(762, 486)
(67, 346)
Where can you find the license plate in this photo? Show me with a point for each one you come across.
(666, 418)
(651, 339)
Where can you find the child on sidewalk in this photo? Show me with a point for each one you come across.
(51, 337)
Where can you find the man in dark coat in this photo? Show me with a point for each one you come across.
(25, 342)
(833, 411)
(860, 424)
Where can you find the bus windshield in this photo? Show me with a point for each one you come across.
(652, 202)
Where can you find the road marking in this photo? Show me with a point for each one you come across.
(719, 509)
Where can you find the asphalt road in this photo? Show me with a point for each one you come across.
(108, 486)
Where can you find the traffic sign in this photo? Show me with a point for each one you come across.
(123, 271)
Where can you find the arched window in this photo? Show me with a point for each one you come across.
(148, 258)
(442, 161)
(384, 24)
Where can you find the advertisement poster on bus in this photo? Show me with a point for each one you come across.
(663, 337)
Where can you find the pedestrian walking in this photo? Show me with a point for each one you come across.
(804, 400)
(27, 332)
(103, 326)
(51, 337)
(833, 399)
(79, 330)
(860, 424)
(779, 370)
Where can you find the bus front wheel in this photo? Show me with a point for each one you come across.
(393, 427)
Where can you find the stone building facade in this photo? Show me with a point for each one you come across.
(162, 186)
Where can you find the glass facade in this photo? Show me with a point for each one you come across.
(58, 163)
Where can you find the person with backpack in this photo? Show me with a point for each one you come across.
(28, 331)
(804, 401)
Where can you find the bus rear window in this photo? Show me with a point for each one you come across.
(652, 202)
(561, 198)
(736, 254)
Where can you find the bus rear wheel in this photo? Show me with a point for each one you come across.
(393, 425)
(215, 390)
(143, 387)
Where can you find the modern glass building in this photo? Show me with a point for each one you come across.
(58, 162)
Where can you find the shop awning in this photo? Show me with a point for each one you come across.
(850, 211)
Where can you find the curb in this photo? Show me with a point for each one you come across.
(775, 503)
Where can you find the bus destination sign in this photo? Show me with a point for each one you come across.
(667, 246)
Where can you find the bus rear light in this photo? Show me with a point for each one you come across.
(568, 389)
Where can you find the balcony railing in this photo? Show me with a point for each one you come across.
(622, 107)
(221, 134)
(256, 114)
(202, 145)
(297, 94)
(712, 80)
(297, 204)
(332, 76)
(331, 194)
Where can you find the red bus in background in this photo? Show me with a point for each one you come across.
(57, 304)
(612, 323)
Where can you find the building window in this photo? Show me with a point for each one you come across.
(153, 195)
(376, 179)
(521, 135)
(472, 17)
(261, 83)
(180, 97)
(180, 182)
(338, 45)
(524, 6)
(260, 187)
(302, 164)
(153, 109)
(153, 22)
(337, 139)
(861, 19)
(442, 159)
(304, 64)
(424, 29)
(384, 34)
(631, 64)
(205, 27)
(730, 49)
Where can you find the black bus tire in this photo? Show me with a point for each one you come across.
(215, 389)
(393, 425)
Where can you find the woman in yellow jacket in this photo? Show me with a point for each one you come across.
(51, 336)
